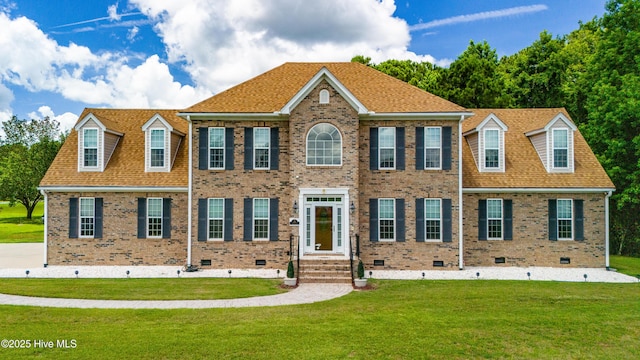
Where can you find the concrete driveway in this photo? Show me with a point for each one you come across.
(21, 256)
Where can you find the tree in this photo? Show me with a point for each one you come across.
(613, 107)
(28, 150)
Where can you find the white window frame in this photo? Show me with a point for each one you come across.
(256, 148)
(254, 218)
(497, 148)
(500, 219)
(439, 147)
(439, 219)
(82, 217)
(163, 148)
(392, 148)
(149, 217)
(393, 219)
(209, 148)
(558, 218)
(554, 148)
(211, 218)
(84, 148)
(339, 139)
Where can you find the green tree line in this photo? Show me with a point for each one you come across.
(593, 72)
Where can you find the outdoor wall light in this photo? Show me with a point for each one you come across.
(295, 207)
(352, 207)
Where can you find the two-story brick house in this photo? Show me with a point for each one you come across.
(318, 160)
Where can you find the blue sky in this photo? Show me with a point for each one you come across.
(62, 56)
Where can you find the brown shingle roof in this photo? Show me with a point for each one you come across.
(270, 91)
(126, 166)
(524, 169)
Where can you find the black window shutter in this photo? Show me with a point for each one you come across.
(73, 218)
(400, 222)
(507, 215)
(248, 148)
(373, 219)
(166, 218)
(142, 218)
(553, 220)
(420, 235)
(203, 148)
(248, 219)
(419, 148)
(373, 148)
(579, 220)
(400, 148)
(228, 220)
(273, 219)
(97, 233)
(275, 148)
(446, 148)
(482, 219)
(228, 148)
(203, 219)
(446, 221)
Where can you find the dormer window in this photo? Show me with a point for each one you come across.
(157, 148)
(560, 148)
(161, 143)
(90, 148)
(492, 149)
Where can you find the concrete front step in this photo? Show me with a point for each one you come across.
(325, 280)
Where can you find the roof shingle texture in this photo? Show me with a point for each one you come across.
(270, 91)
(523, 167)
(126, 166)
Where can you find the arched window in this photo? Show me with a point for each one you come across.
(324, 96)
(324, 145)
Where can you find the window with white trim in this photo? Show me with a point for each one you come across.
(260, 219)
(560, 148)
(387, 148)
(492, 148)
(216, 219)
(494, 219)
(432, 148)
(324, 145)
(87, 217)
(433, 219)
(154, 217)
(387, 219)
(565, 219)
(157, 148)
(90, 147)
(261, 148)
(216, 148)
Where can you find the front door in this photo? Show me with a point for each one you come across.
(323, 224)
(324, 228)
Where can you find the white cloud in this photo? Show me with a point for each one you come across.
(112, 10)
(519, 10)
(66, 120)
(131, 34)
(224, 42)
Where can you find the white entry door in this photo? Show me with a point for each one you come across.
(324, 224)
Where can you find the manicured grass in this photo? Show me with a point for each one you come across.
(142, 289)
(625, 264)
(398, 320)
(14, 226)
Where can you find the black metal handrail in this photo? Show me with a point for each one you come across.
(351, 258)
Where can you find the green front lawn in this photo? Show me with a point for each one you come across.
(14, 226)
(398, 320)
(625, 264)
(141, 289)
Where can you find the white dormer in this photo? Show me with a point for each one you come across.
(96, 143)
(554, 144)
(487, 144)
(161, 143)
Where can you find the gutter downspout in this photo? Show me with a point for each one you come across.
(46, 225)
(606, 229)
(190, 190)
(460, 234)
